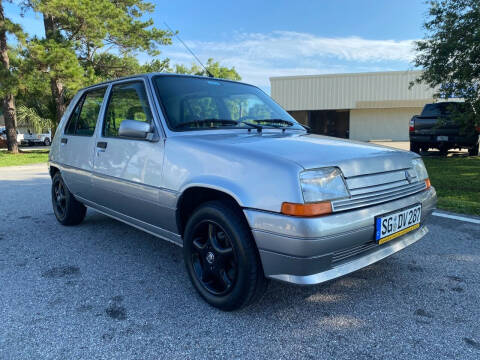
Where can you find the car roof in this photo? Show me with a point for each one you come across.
(152, 74)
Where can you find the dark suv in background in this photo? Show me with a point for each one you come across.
(436, 128)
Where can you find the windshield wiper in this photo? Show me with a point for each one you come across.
(206, 121)
(219, 121)
(256, 126)
(273, 122)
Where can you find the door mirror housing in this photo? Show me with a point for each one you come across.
(135, 129)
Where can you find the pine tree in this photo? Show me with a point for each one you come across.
(8, 79)
(78, 31)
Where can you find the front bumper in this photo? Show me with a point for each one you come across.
(314, 250)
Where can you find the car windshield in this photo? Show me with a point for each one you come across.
(192, 103)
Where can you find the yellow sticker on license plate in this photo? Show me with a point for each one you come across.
(397, 234)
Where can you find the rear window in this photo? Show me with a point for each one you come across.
(442, 109)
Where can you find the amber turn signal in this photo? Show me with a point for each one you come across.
(307, 210)
(427, 182)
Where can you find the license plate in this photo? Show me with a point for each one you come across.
(398, 223)
(442, 138)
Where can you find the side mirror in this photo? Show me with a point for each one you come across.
(135, 129)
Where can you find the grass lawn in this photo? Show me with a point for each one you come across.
(31, 157)
(457, 181)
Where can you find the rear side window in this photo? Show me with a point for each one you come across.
(128, 101)
(84, 117)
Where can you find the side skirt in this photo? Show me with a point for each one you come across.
(141, 225)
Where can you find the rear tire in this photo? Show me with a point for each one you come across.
(67, 209)
(443, 151)
(46, 142)
(414, 147)
(473, 151)
(221, 257)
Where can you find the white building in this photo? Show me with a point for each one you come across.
(363, 106)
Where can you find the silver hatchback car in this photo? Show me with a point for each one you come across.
(220, 169)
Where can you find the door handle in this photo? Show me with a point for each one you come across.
(64, 140)
(101, 146)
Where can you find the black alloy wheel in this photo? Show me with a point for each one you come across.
(59, 197)
(67, 209)
(221, 256)
(213, 258)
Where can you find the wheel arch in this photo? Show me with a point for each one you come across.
(53, 170)
(197, 194)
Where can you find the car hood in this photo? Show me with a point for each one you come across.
(312, 151)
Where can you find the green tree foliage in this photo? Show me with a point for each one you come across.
(77, 31)
(30, 117)
(107, 66)
(35, 105)
(450, 54)
(213, 68)
(86, 42)
(9, 75)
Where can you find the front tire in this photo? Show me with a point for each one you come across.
(67, 209)
(221, 257)
(443, 150)
(46, 142)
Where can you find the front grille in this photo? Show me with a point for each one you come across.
(342, 255)
(367, 190)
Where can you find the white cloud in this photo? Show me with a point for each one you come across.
(260, 56)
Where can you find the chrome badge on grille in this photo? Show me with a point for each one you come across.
(408, 177)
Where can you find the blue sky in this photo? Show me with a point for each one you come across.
(276, 38)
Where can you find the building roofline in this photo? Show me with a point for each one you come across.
(370, 73)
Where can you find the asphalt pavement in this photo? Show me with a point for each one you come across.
(104, 290)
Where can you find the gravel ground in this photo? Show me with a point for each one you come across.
(105, 290)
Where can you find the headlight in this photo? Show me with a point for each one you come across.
(323, 184)
(420, 169)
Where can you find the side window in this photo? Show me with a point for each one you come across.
(84, 117)
(128, 101)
